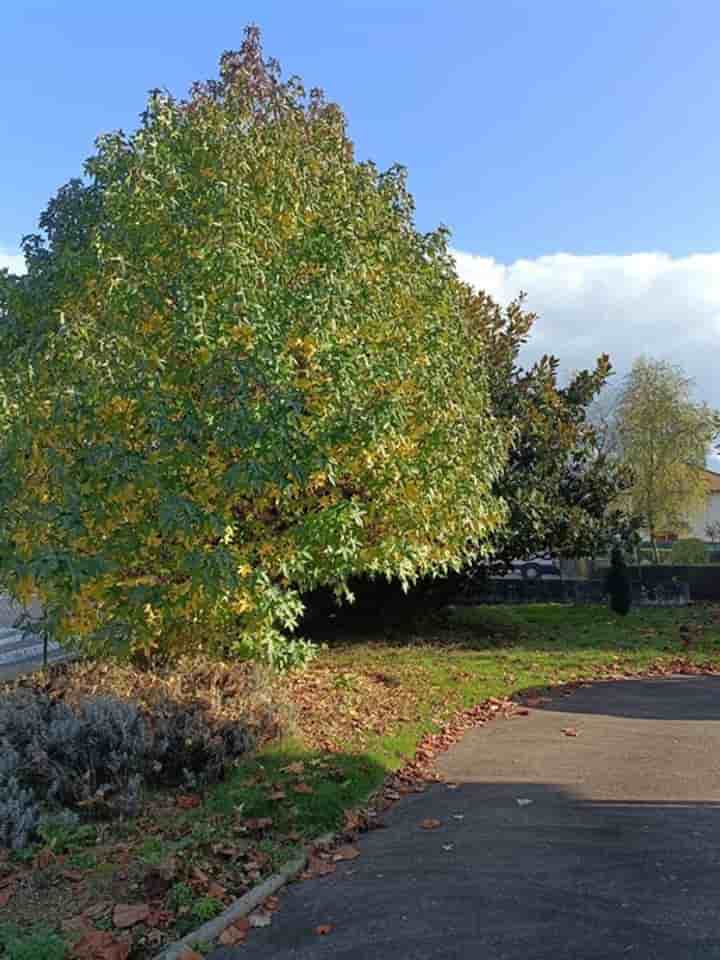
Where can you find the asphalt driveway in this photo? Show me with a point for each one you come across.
(605, 844)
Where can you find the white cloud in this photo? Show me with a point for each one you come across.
(642, 303)
(14, 262)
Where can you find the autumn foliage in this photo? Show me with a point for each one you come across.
(235, 371)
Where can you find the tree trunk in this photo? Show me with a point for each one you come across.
(653, 544)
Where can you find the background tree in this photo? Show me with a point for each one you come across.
(712, 531)
(235, 371)
(617, 583)
(664, 437)
(561, 486)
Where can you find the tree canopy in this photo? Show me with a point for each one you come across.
(563, 491)
(235, 370)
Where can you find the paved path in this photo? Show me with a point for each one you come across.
(19, 653)
(601, 846)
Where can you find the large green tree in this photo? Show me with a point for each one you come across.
(563, 491)
(664, 436)
(234, 371)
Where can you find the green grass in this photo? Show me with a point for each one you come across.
(337, 783)
(372, 700)
(476, 653)
(40, 943)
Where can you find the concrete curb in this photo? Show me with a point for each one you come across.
(210, 931)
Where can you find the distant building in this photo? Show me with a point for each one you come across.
(708, 515)
(700, 519)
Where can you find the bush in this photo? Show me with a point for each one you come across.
(617, 583)
(274, 382)
(63, 752)
(689, 551)
(19, 812)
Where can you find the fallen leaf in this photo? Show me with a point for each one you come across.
(100, 945)
(430, 824)
(522, 801)
(323, 929)
(297, 767)
(258, 823)
(199, 876)
(271, 904)
(187, 801)
(458, 816)
(129, 914)
(115, 951)
(6, 896)
(346, 852)
(159, 918)
(44, 858)
(260, 919)
(570, 732)
(190, 955)
(317, 867)
(277, 795)
(74, 876)
(231, 852)
(235, 933)
(303, 788)
(448, 847)
(216, 890)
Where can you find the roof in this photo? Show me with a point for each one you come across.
(713, 481)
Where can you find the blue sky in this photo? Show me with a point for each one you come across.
(557, 139)
(528, 127)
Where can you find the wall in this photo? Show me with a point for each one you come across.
(711, 514)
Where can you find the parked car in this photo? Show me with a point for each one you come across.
(537, 567)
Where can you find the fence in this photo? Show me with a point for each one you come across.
(670, 593)
(703, 579)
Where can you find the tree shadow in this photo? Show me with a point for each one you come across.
(657, 698)
(514, 870)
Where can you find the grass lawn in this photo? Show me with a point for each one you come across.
(359, 713)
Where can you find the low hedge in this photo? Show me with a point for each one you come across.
(87, 741)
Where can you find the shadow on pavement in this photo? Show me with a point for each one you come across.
(513, 871)
(599, 845)
(664, 698)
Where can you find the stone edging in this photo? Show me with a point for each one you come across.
(417, 770)
(210, 931)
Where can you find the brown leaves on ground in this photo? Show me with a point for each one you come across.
(570, 731)
(430, 823)
(130, 914)
(536, 701)
(100, 945)
(303, 788)
(331, 714)
(188, 801)
(323, 929)
(317, 866)
(8, 886)
(345, 852)
(297, 767)
(235, 933)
